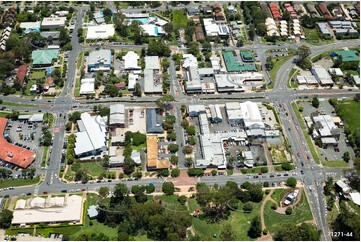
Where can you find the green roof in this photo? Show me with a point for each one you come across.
(233, 65)
(348, 55)
(247, 56)
(44, 57)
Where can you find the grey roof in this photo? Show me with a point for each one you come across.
(150, 84)
(116, 160)
(100, 56)
(323, 28)
(154, 123)
(38, 117)
(81, 126)
(152, 62)
(92, 211)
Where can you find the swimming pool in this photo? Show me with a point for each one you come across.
(142, 20)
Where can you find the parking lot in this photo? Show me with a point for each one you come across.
(25, 135)
(329, 153)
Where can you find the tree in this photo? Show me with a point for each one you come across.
(174, 160)
(227, 233)
(164, 103)
(303, 52)
(289, 210)
(138, 138)
(182, 199)
(255, 230)
(6, 216)
(173, 148)
(214, 172)
(163, 173)
(291, 182)
(255, 193)
(187, 150)
(137, 90)
(122, 236)
(286, 16)
(301, 108)
(168, 188)
(248, 207)
(348, 222)
(240, 43)
(150, 188)
(103, 191)
(346, 156)
(175, 172)
(195, 172)
(172, 136)
(315, 102)
(185, 123)
(292, 232)
(128, 166)
(191, 130)
(138, 174)
(188, 162)
(287, 166)
(264, 169)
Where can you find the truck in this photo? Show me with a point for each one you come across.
(64, 191)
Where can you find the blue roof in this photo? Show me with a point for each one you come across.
(49, 70)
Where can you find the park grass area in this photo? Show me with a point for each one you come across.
(313, 149)
(125, 91)
(278, 194)
(179, 19)
(28, 85)
(18, 182)
(301, 213)
(240, 223)
(77, 87)
(350, 113)
(97, 227)
(93, 168)
(139, 147)
(311, 36)
(335, 163)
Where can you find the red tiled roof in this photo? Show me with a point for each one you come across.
(21, 74)
(12, 153)
(272, 5)
(120, 85)
(325, 11)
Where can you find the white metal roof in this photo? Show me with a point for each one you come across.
(117, 108)
(72, 211)
(57, 21)
(131, 61)
(150, 85)
(103, 31)
(87, 86)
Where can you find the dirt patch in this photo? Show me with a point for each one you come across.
(267, 237)
(183, 179)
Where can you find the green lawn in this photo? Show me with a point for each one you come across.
(17, 182)
(291, 80)
(240, 223)
(77, 87)
(278, 154)
(350, 113)
(313, 149)
(45, 156)
(311, 36)
(96, 227)
(80, 60)
(49, 118)
(301, 212)
(335, 163)
(278, 194)
(68, 229)
(94, 168)
(37, 74)
(139, 147)
(18, 104)
(252, 170)
(179, 19)
(279, 167)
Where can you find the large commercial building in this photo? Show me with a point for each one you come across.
(152, 82)
(322, 76)
(103, 31)
(213, 29)
(154, 122)
(13, 153)
(29, 27)
(91, 138)
(48, 210)
(100, 60)
(246, 114)
(233, 65)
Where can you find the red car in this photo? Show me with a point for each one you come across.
(298, 154)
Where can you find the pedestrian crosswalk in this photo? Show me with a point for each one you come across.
(36, 190)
